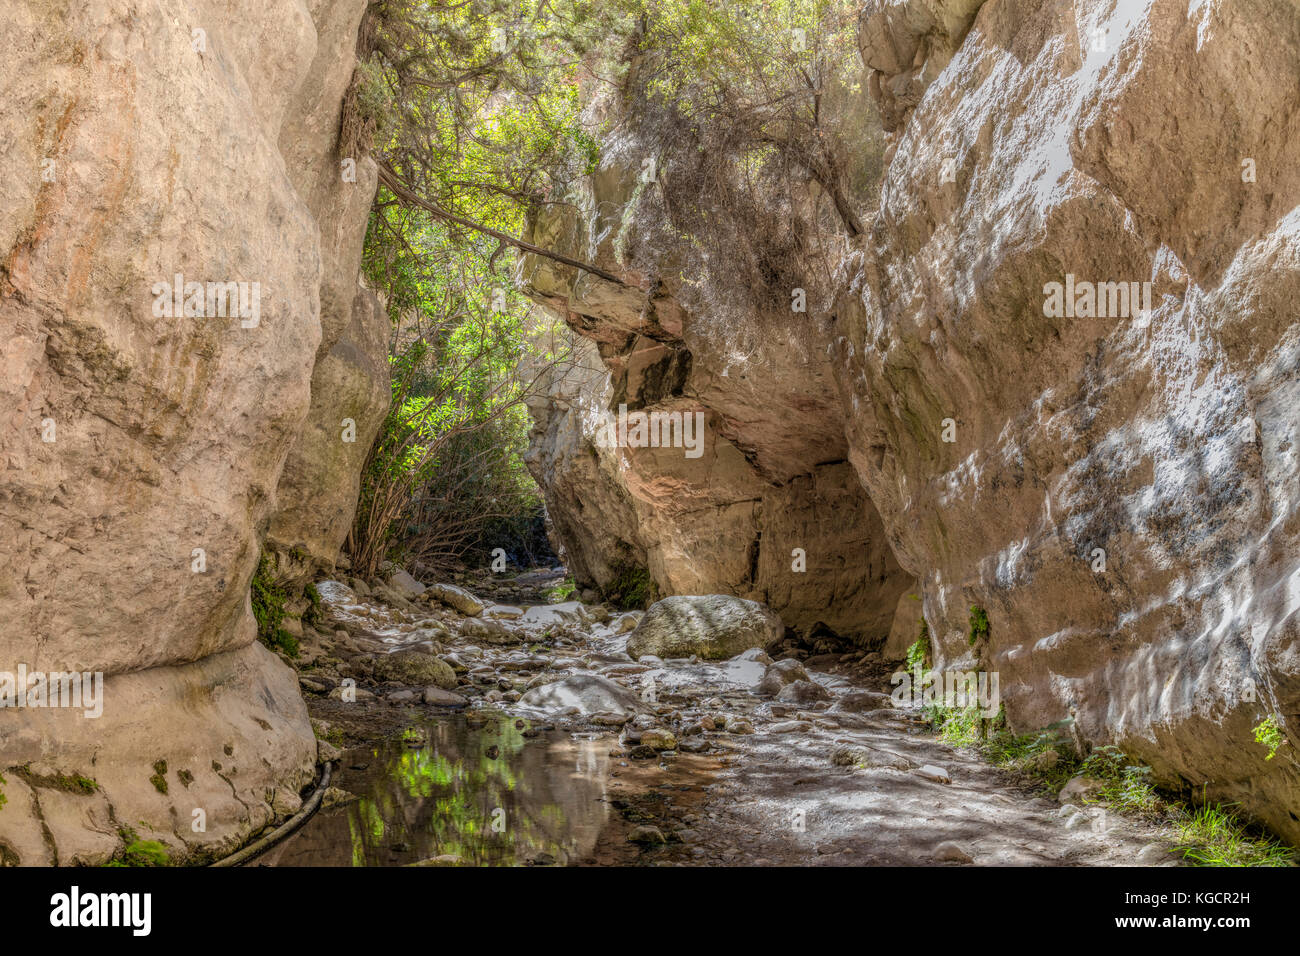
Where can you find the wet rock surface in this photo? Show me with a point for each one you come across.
(678, 761)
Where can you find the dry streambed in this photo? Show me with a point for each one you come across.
(474, 731)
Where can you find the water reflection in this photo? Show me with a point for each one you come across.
(487, 794)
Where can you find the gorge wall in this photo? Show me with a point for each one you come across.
(1116, 487)
(146, 454)
(769, 488)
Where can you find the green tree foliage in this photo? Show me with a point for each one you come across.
(447, 465)
(483, 113)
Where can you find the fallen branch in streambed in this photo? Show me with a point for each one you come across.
(404, 194)
(282, 831)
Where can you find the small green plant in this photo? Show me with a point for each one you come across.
(137, 852)
(1213, 835)
(1043, 756)
(920, 649)
(3, 798)
(632, 588)
(1105, 763)
(268, 608)
(1132, 792)
(1269, 733)
(562, 591)
(959, 726)
(146, 853)
(979, 623)
(76, 783)
(315, 613)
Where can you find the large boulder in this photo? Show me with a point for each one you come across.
(589, 693)
(454, 597)
(712, 626)
(778, 675)
(415, 668)
(405, 585)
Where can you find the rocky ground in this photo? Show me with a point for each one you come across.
(785, 754)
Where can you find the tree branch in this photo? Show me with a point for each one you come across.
(395, 186)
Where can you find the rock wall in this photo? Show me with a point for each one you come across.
(1121, 493)
(144, 450)
(1115, 486)
(767, 507)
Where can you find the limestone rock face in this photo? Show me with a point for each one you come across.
(227, 734)
(757, 499)
(1114, 483)
(905, 44)
(318, 488)
(143, 445)
(1120, 490)
(713, 626)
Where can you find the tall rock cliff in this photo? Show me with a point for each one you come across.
(766, 505)
(1113, 481)
(152, 434)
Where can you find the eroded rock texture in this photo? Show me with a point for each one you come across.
(142, 453)
(1108, 142)
(767, 506)
(1120, 490)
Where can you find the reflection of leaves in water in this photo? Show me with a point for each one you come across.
(422, 772)
(358, 843)
(440, 799)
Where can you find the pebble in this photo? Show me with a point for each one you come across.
(438, 697)
(932, 772)
(950, 852)
(1153, 854)
(659, 739)
(790, 727)
(646, 835)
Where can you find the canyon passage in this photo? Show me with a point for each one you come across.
(624, 433)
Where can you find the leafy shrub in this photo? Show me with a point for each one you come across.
(632, 589)
(1269, 733)
(562, 591)
(268, 600)
(919, 653)
(1214, 835)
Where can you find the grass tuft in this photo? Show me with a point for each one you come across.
(1213, 835)
(1207, 835)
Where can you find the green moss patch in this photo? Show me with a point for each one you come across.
(268, 600)
(159, 778)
